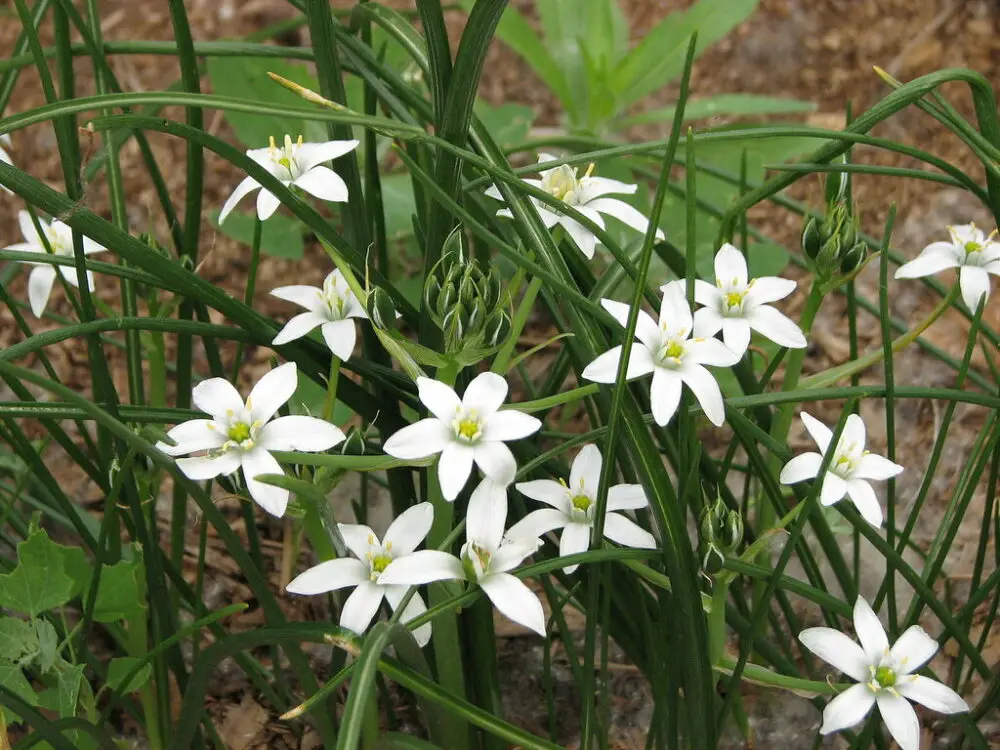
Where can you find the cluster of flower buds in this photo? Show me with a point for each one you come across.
(833, 242)
(721, 533)
(466, 303)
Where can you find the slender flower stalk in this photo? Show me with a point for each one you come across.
(464, 431)
(5, 157)
(970, 250)
(587, 194)
(849, 471)
(331, 307)
(486, 559)
(60, 241)
(667, 351)
(573, 507)
(294, 163)
(885, 676)
(365, 570)
(735, 304)
(242, 435)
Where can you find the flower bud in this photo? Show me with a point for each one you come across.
(811, 240)
(853, 258)
(497, 329)
(492, 290)
(712, 560)
(837, 184)
(432, 290)
(381, 311)
(732, 531)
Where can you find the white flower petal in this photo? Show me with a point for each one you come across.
(440, 399)
(486, 515)
(767, 289)
(735, 334)
(801, 468)
(218, 397)
(646, 329)
(454, 468)
(712, 352)
(929, 262)
(418, 440)
(272, 391)
(247, 186)
(585, 473)
(605, 367)
(309, 297)
(493, 192)
(870, 631)
(772, 324)
(818, 431)
(707, 391)
(192, 436)
(847, 709)
(876, 467)
(272, 499)
(595, 187)
(664, 394)
(200, 468)
(675, 311)
(626, 497)
(340, 337)
(299, 433)
(865, 500)
(409, 529)
(546, 491)
(912, 650)
(329, 576)
(730, 266)
(536, 523)
(311, 154)
(575, 538)
(834, 489)
(420, 567)
(358, 538)
(496, 461)
(361, 606)
(267, 204)
(394, 595)
(323, 183)
(975, 283)
(931, 693)
(297, 327)
(486, 393)
(900, 719)
(28, 230)
(509, 424)
(854, 432)
(510, 554)
(40, 281)
(515, 601)
(626, 532)
(625, 213)
(838, 650)
(707, 322)
(581, 236)
(70, 275)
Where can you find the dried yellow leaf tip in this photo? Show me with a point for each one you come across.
(885, 76)
(308, 94)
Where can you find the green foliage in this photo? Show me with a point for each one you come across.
(40, 581)
(280, 236)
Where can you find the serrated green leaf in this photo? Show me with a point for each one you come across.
(17, 639)
(119, 669)
(39, 582)
(121, 592)
(13, 679)
(509, 124)
(246, 78)
(48, 644)
(280, 236)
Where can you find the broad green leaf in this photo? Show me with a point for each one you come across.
(509, 124)
(12, 678)
(121, 592)
(400, 205)
(39, 582)
(725, 105)
(246, 78)
(280, 236)
(68, 688)
(309, 395)
(119, 669)
(17, 639)
(659, 57)
(766, 259)
(48, 644)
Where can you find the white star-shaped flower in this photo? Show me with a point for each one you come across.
(365, 569)
(243, 435)
(735, 305)
(974, 254)
(668, 352)
(464, 431)
(332, 308)
(849, 470)
(486, 559)
(60, 239)
(5, 156)
(573, 509)
(587, 195)
(885, 676)
(294, 163)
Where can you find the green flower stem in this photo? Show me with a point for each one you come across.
(503, 357)
(331, 388)
(137, 645)
(717, 619)
(779, 431)
(762, 676)
(834, 374)
(566, 397)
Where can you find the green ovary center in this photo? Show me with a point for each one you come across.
(581, 502)
(467, 429)
(885, 677)
(673, 350)
(380, 563)
(239, 432)
(973, 247)
(734, 300)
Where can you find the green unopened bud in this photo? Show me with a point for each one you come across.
(468, 290)
(432, 290)
(732, 530)
(492, 290)
(853, 258)
(811, 240)
(455, 245)
(381, 311)
(837, 184)
(497, 329)
(712, 559)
